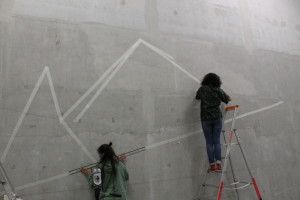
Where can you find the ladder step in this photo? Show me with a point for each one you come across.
(246, 184)
(230, 144)
(235, 183)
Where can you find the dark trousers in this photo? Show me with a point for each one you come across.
(212, 132)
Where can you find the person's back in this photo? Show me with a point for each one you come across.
(211, 96)
(115, 184)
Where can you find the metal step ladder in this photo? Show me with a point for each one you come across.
(9, 190)
(236, 185)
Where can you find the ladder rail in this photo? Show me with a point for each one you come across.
(232, 169)
(229, 188)
(236, 185)
(9, 190)
(247, 165)
(227, 154)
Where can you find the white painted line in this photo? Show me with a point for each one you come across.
(116, 67)
(99, 81)
(68, 129)
(199, 131)
(60, 176)
(78, 141)
(106, 82)
(170, 59)
(157, 50)
(54, 97)
(256, 111)
(23, 114)
(151, 146)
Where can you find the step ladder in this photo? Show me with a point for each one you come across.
(9, 190)
(236, 185)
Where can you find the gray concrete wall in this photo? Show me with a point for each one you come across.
(253, 45)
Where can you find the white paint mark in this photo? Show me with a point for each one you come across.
(170, 59)
(152, 145)
(22, 116)
(106, 82)
(78, 141)
(29, 102)
(68, 129)
(157, 50)
(199, 131)
(50, 81)
(99, 81)
(60, 176)
(112, 70)
(256, 111)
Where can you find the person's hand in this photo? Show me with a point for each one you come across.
(122, 158)
(85, 171)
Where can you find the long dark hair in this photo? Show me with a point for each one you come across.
(109, 155)
(212, 79)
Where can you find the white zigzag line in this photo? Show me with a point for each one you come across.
(25, 110)
(111, 71)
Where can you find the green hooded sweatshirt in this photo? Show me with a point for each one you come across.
(112, 184)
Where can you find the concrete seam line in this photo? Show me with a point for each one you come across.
(163, 142)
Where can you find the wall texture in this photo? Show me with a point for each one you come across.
(133, 67)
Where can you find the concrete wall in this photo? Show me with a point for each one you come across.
(253, 45)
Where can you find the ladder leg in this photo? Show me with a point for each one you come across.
(202, 185)
(225, 166)
(249, 171)
(232, 169)
(234, 178)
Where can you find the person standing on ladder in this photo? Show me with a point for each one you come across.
(211, 96)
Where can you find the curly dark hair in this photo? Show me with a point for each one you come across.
(212, 79)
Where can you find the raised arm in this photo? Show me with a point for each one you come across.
(223, 96)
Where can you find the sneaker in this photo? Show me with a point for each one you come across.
(212, 168)
(219, 167)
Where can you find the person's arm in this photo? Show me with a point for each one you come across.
(224, 97)
(198, 94)
(86, 171)
(126, 175)
(122, 158)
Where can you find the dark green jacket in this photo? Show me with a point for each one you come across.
(112, 184)
(211, 98)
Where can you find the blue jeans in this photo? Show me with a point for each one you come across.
(212, 132)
